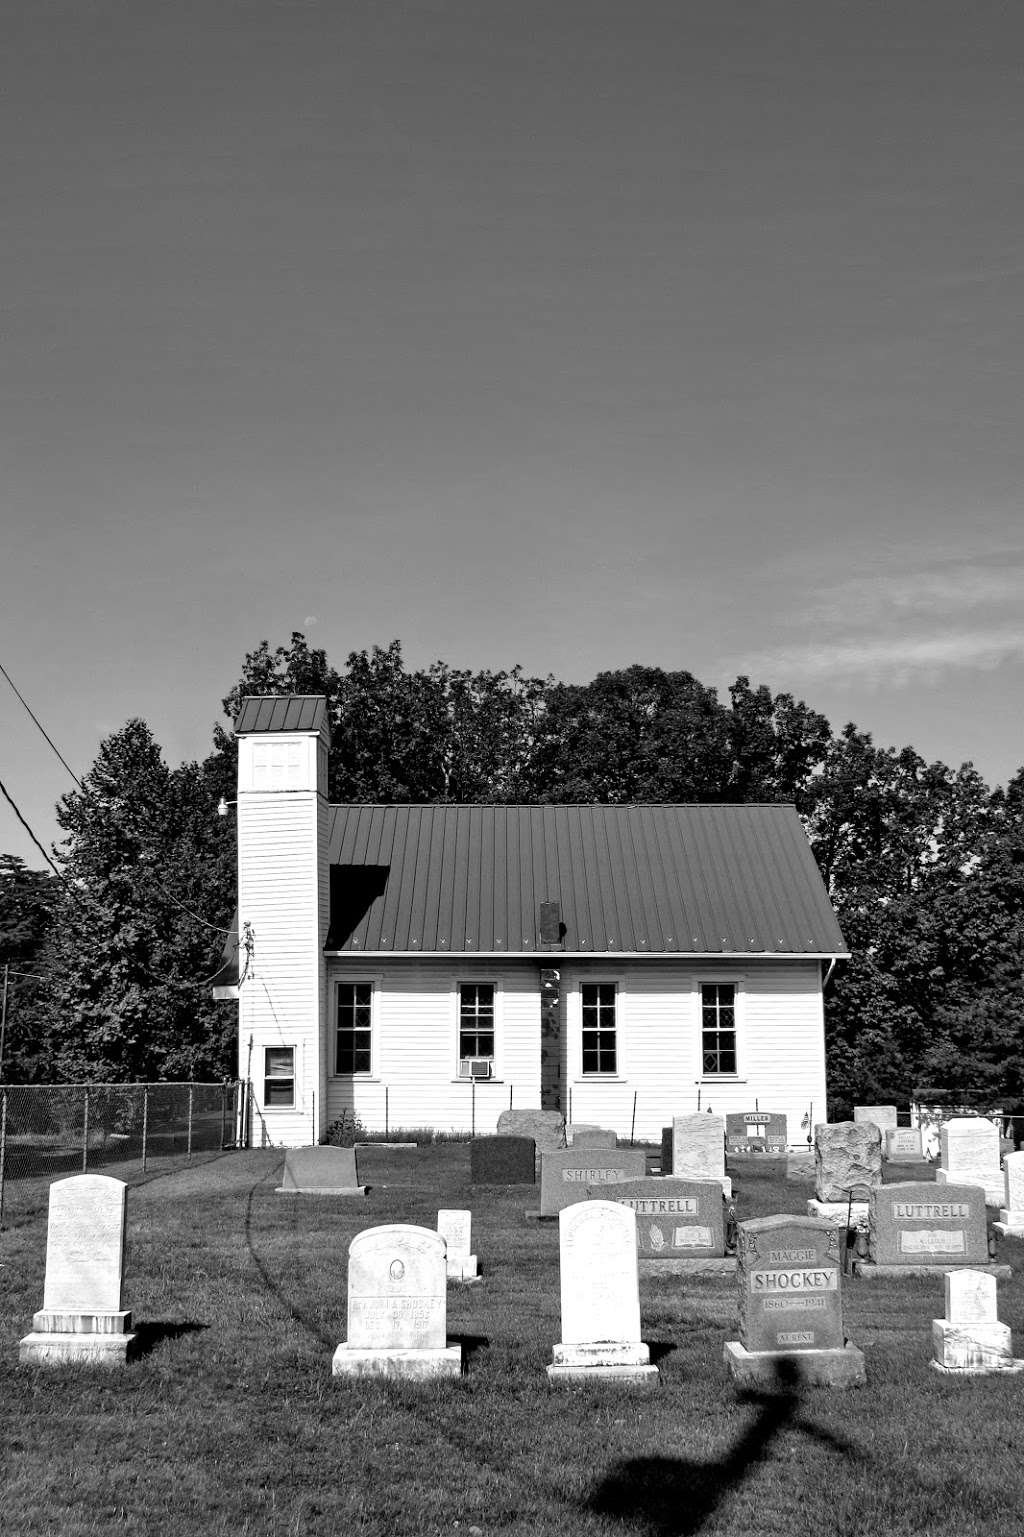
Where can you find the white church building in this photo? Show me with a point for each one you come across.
(431, 966)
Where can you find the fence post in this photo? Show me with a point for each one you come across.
(312, 1117)
(188, 1144)
(472, 1108)
(145, 1124)
(385, 1110)
(3, 1150)
(223, 1111)
(85, 1131)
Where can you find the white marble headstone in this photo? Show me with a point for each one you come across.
(599, 1273)
(1013, 1175)
(970, 1154)
(455, 1227)
(397, 1280)
(85, 1245)
(970, 1297)
(698, 1148)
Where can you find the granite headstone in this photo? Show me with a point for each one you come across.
(755, 1131)
(566, 1174)
(320, 1171)
(502, 1161)
(920, 1223)
(675, 1218)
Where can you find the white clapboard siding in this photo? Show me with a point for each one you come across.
(781, 1061)
(414, 1081)
(414, 1084)
(280, 1001)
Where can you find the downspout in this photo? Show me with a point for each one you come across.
(828, 975)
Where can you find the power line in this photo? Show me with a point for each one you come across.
(28, 829)
(37, 722)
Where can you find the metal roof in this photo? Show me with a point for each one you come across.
(688, 880)
(281, 712)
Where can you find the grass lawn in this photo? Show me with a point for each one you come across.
(230, 1422)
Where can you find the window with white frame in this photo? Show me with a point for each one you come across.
(718, 1027)
(598, 1027)
(354, 1027)
(476, 1029)
(279, 1076)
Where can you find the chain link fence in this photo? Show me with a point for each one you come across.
(48, 1131)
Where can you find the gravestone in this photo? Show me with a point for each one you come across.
(755, 1131)
(666, 1150)
(591, 1136)
(502, 1161)
(970, 1339)
(904, 1144)
(882, 1116)
(1011, 1216)
(680, 1223)
(969, 1154)
(546, 1127)
(847, 1155)
(600, 1293)
(82, 1317)
(698, 1149)
(397, 1306)
(320, 1171)
(789, 1285)
(919, 1228)
(455, 1228)
(566, 1174)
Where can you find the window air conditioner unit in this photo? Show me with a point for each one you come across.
(475, 1067)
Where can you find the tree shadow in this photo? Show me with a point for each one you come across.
(149, 1335)
(471, 1344)
(675, 1496)
(309, 1324)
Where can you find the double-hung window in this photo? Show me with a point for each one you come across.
(718, 1027)
(279, 1076)
(476, 1029)
(354, 1038)
(598, 1035)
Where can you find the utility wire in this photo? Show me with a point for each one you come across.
(36, 720)
(191, 912)
(21, 819)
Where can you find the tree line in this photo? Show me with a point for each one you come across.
(109, 965)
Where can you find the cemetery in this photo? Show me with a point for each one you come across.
(317, 1364)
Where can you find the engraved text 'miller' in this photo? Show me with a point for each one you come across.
(762, 1281)
(915, 1211)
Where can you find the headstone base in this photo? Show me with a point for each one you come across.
(795, 1368)
(710, 1265)
(43, 1349)
(418, 1365)
(622, 1362)
(867, 1270)
(971, 1347)
(319, 1190)
(994, 1194)
(50, 1322)
(1010, 1224)
(836, 1211)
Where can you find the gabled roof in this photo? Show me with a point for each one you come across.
(281, 712)
(651, 880)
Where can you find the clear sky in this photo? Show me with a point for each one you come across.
(561, 332)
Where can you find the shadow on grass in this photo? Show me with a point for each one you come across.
(149, 1335)
(660, 1349)
(471, 1344)
(674, 1497)
(304, 1320)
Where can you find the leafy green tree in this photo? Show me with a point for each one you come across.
(26, 904)
(776, 744)
(138, 923)
(640, 734)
